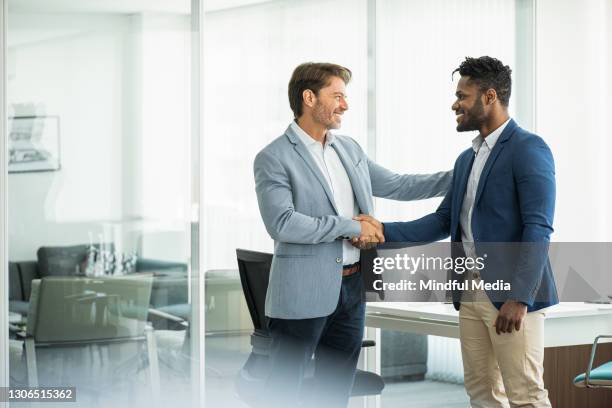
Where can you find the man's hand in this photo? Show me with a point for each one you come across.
(510, 317)
(371, 232)
(362, 218)
(363, 244)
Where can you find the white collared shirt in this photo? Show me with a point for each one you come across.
(335, 174)
(482, 149)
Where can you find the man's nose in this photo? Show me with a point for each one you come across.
(343, 104)
(455, 106)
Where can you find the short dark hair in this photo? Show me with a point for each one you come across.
(488, 72)
(313, 76)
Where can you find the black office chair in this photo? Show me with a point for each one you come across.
(254, 268)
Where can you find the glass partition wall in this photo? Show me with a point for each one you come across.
(102, 275)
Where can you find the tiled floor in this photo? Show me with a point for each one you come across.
(424, 394)
(226, 355)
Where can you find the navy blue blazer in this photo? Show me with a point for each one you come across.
(511, 221)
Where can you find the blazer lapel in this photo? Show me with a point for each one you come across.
(307, 157)
(353, 177)
(503, 138)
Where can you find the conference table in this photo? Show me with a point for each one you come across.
(569, 331)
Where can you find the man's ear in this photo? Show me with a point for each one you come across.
(490, 96)
(308, 97)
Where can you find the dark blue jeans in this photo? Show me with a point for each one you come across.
(335, 341)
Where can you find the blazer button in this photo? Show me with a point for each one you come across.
(338, 260)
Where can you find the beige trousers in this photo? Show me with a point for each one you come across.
(504, 370)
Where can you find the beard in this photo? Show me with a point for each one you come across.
(472, 119)
(325, 117)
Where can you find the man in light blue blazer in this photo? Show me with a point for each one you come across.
(310, 184)
(500, 206)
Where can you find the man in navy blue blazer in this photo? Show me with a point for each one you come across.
(501, 202)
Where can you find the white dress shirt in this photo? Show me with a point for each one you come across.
(482, 149)
(338, 181)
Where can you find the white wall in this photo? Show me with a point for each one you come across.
(160, 157)
(573, 112)
(69, 66)
(119, 85)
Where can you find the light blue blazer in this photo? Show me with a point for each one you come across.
(298, 210)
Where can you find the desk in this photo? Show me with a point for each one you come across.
(226, 308)
(569, 330)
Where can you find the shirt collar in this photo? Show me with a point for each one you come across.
(489, 140)
(307, 139)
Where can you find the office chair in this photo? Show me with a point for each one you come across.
(600, 377)
(73, 313)
(254, 268)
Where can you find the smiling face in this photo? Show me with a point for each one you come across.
(469, 106)
(330, 104)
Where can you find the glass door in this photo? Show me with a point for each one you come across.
(102, 138)
(4, 375)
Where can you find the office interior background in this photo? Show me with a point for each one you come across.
(131, 129)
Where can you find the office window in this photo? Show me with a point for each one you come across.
(419, 44)
(250, 53)
(574, 101)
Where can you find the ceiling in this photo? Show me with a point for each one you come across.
(121, 6)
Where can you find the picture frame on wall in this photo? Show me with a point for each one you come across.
(33, 144)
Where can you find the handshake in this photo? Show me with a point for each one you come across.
(372, 232)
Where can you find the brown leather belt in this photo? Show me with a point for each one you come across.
(348, 270)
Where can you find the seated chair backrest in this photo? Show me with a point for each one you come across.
(28, 271)
(15, 288)
(254, 268)
(77, 309)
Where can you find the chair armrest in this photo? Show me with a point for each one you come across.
(168, 316)
(21, 334)
(368, 343)
(592, 359)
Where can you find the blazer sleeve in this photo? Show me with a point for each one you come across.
(534, 171)
(282, 221)
(430, 228)
(407, 187)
